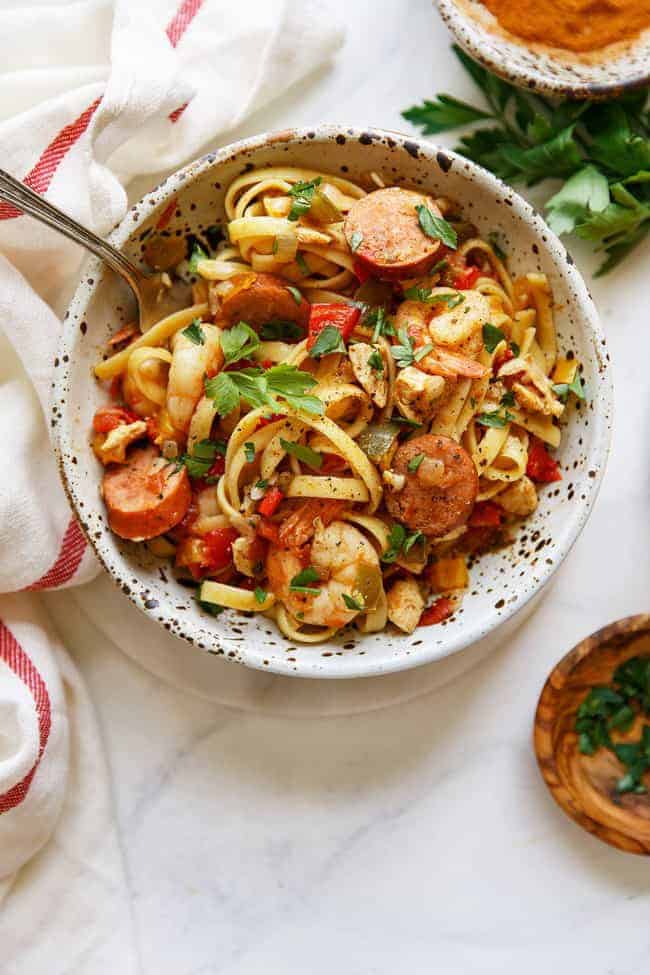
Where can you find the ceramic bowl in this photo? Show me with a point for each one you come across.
(550, 71)
(503, 582)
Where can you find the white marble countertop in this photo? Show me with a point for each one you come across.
(419, 837)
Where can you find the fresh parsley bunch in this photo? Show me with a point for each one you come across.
(600, 149)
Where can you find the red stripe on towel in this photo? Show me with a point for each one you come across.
(70, 555)
(40, 176)
(16, 658)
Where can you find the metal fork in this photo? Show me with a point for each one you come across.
(148, 289)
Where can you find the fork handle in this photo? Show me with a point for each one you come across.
(36, 206)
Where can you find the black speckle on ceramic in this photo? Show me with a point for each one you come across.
(503, 582)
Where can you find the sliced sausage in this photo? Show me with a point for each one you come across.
(145, 497)
(390, 242)
(439, 494)
(260, 298)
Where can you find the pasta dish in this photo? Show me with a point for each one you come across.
(358, 400)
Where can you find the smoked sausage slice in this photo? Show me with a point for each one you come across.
(260, 298)
(145, 497)
(392, 243)
(439, 494)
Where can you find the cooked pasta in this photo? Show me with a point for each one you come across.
(359, 399)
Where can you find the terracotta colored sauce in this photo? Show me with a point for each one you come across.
(576, 25)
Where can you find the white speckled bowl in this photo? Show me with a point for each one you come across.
(503, 582)
(547, 70)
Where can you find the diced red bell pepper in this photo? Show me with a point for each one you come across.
(467, 277)
(486, 514)
(343, 317)
(218, 548)
(218, 468)
(541, 467)
(436, 613)
(361, 271)
(265, 420)
(108, 417)
(269, 530)
(267, 363)
(270, 502)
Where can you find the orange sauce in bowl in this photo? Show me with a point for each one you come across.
(576, 25)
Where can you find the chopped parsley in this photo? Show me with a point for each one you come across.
(249, 452)
(508, 399)
(375, 361)
(492, 336)
(494, 419)
(198, 254)
(403, 353)
(303, 195)
(327, 341)
(195, 333)
(300, 582)
(415, 462)
(451, 299)
(399, 540)
(302, 264)
(437, 227)
(212, 608)
(261, 595)
(303, 453)
(199, 462)
(493, 240)
(576, 386)
(238, 342)
(280, 331)
(352, 603)
(376, 319)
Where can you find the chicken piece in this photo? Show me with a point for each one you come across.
(520, 498)
(533, 389)
(405, 604)
(113, 449)
(245, 555)
(371, 379)
(417, 395)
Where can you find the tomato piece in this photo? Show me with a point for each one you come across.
(266, 363)
(108, 417)
(270, 502)
(218, 547)
(541, 467)
(437, 612)
(343, 317)
(361, 271)
(486, 514)
(265, 420)
(269, 530)
(467, 278)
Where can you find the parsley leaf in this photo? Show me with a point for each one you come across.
(415, 462)
(260, 595)
(576, 386)
(399, 540)
(199, 462)
(402, 353)
(492, 336)
(238, 342)
(494, 419)
(260, 388)
(445, 113)
(449, 298)
(295, 294)
(352, 603)
(300, 582)
(249, 452)
(375, 361)
(411, 540)
(302, 264)
(195, 333)
(303, 453)
(280, 331)
(303, 194)
(198, 254)
(508, 399)
(377, 320)
(436, 227)
(328, 340)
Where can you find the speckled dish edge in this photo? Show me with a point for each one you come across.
(546, 70)
(398, 654)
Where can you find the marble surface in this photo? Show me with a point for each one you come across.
(280, 834)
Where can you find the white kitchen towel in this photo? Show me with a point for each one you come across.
(91, 95)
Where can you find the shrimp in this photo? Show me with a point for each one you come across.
(348, 565)
(190, 363)
(414, 317)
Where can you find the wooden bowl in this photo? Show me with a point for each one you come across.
(585, 785)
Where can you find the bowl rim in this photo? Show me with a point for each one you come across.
(457, 22)
(485, 182)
